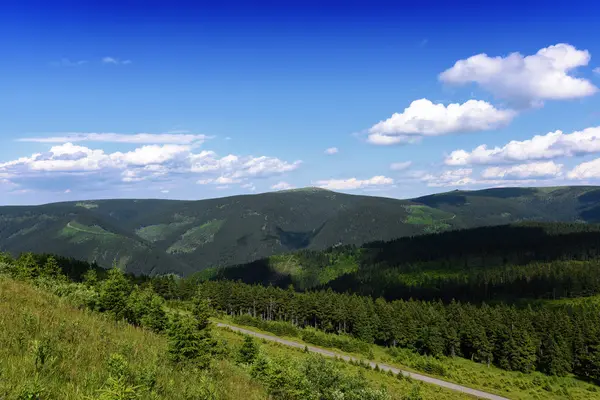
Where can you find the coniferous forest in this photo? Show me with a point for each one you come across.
(521, 298)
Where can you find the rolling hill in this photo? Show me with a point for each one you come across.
(164, 236)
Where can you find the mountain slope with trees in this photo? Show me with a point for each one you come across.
(157, 237)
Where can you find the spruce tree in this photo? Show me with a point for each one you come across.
(187, 343)
(249, 351)
(114, 293)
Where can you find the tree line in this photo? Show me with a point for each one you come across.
(554, 341)
(506, 263)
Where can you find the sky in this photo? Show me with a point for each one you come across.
(193, 100)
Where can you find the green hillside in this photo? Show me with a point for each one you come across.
(110, 339)
(182, 237)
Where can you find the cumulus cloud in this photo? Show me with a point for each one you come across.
(540, 147)
(536, 170)
(138, 138)
(115, 61)
(424, 118)
(597, 70)
(526, 79)
(149, 162)
(400, 166)
(586, 170)
(353, 183)
(236, 167)
(332, 150)
(249, 186)
(456, 177)
(463, 178)
(282, 186)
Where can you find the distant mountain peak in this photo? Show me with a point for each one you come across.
(305, 189)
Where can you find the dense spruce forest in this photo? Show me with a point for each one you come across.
(491, 264)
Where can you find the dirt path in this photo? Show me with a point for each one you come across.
(327, 353)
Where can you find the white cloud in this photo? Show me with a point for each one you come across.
(138, 138)
(67, 191)
(537, 170)
(586, 170)
(332, 150)
(282, 186)
(424, 118)
(65, 62)
(236, 167)
(540, 147)
(250, 186)
(597, 70)
(456, 177)
(353, 183)
(150, 162)
(400, 166)
(151, 154)
(115, 61)
(526, 79)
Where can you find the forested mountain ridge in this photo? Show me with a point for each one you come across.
(527, 260)
(183, 237)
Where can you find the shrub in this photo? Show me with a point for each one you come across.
(279, 328)
(342, 342)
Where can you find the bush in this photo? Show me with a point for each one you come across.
(342, 342)
(430, 365)
(279, 328)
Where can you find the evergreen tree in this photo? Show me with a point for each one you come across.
(51, 268)
(201, 312)
(114, 293)
(187, 343)
(249, 351)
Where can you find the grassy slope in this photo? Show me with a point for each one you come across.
(80, 344)
(160, 236)
(514, 385)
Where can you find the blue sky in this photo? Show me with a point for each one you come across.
(192, 100)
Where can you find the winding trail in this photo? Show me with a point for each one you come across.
(383, 367)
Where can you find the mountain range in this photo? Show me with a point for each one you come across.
(158, 237)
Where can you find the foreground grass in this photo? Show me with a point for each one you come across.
(51, 350)
(514, 385)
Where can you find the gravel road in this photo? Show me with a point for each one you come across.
(327, 353)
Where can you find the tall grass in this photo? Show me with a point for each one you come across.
(51, 350)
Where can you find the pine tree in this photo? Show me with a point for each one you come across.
(156, 316)
(249, 351)
(90, 278)
(201, 313)
(51, 268)
(187, 343)
(114, 293)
